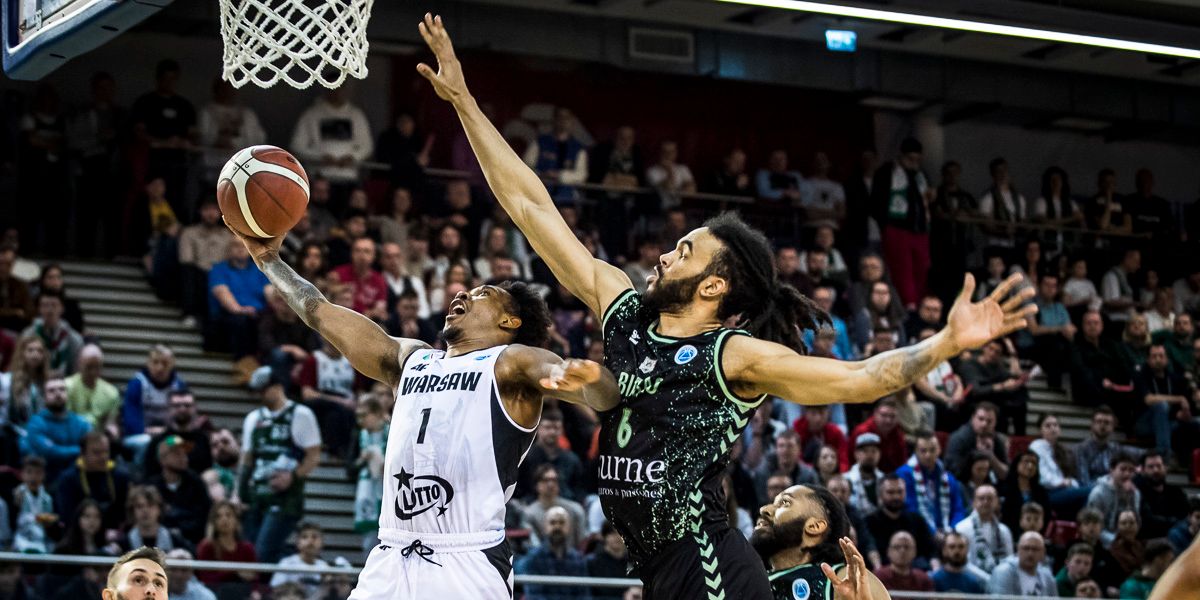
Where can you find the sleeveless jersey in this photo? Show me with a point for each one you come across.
(664, 448)
(802, 582)
(452, 448)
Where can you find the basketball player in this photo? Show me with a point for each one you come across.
(463, 422)
(799, 534)
(688, 385)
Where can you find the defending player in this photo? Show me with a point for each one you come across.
(799, 534)
(464, 419)
(688, 385)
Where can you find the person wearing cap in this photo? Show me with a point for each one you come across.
(184, 493)
(864, 475)
(900, 196)
(281, 446)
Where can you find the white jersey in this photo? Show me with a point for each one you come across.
(452, 450)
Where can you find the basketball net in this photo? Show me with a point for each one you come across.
(298, 42)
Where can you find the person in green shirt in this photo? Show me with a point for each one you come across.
(1078, 567)
(90, 396)
(1178, 342)
(1158, 556)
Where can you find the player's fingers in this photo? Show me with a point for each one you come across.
(1012, 303)
(968, 289)
(829, 573)
(1005, 287)
(426, 71)
(549, 383)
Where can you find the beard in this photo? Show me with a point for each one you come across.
(956, 561)
(227, 459)
(453, 334)
(671, 296)
(182, 420)
(894, 505)
(773, 539)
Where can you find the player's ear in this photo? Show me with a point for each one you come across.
(713, 287)
(510, 323)
(816, 527)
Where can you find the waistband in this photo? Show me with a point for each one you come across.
(443, 542)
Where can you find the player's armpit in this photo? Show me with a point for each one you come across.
(546, 374)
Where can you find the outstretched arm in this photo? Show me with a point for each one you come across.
(517, 187)
(760, 367)
(363, 342)
(543, 373)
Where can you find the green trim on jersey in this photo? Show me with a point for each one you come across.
(774, 576)
(622, 297)
(720, 373)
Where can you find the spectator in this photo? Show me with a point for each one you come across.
(51, 280)
(16, 306)
(327, 388)
(1091, 532)
(548, 499)
(320, 208)
(332, 137)
(858, 294)
(883, 422)
(554, 557)
(788, 269)
(165, 122)
(1087, 588)
(547, 450)
(1003, 205)
(1022, 486)
(407, 321)
(1056, 468)
(193, 428)
(893, 516)
(1163, 504)
(394, 268)
(610, 558)
(900, 196)
(54, 432)
(1178, 343)
(559, 157)
(281, 446)
(284, 341)
(933, 492)
(461, 210)
(1158, 556)
(1093, 454)
(785, 459)
(62, 342)
(816, 431)
(1166, 402)
(957, 574)
(25, 383)
(1126, 548)
(85, 533)
(367, 468)
(33, 508)
(369, 286)
(640, 270)
(670, 177)
(995, 377)
(405, 150)
(448, 251)
(1052, 332)
(146, 409)
(864, 476)
(1135, 343)
(310, 540)
(1160, 315)
(91, 396)
(201, 246)
(731, 179)
(1115, 492)
(842, 348)
(222, 477)
(181, 581)
(1055, 206)
(236, 297)
(836, 271)
(777, 183)
(975, 471)
(1097, 374)
(96, 478)
(989, 540)
(900, 574)
(1186, 289)
(1116, 289)
(824, 201)
(979, 434)
(840, 488)
(12, 583)
(880, 313)
(223, 541)
(1079, 293)
(184, 494)
(1184, 532)
(336, 587)
(927, 316)
(1105, 212)
(98, 135)
(1077, 569)
(393, 226)
(226, 126)
(826, 464)
(144, 510)
(1024, 574)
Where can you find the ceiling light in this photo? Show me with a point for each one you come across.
(892, 103)
(974, 26)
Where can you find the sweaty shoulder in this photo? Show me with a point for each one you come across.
(743, 352)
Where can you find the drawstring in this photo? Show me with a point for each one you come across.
(422, 551)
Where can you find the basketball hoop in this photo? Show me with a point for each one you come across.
(298, 42)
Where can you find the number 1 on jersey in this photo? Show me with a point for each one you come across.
(424, 424)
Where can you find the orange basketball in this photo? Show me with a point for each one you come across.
(262, 191)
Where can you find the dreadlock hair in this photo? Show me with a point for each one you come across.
(837, 527)
(528, 305)
(769, 309)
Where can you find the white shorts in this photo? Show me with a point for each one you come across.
(437, 566)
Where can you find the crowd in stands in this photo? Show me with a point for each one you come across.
(947, 485)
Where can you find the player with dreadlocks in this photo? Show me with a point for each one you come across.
(803, 536)
(688, 385)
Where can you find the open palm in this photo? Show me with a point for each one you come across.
(972, 324)
(448, 80)
(856, 585)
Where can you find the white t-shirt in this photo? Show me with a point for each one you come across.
(681, 176)
(310, 581)
(1077, 289)
(305, 433)
(823, 194)
(1031, 585)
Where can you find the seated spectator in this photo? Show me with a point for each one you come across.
(327, 382)
(1163, 504)
(893, 516)
(25, 384)
(193, 428)
(842, 348)
(394, 266)
(62, 342)
(96, 478)
(548, 499)
(147, 406)
(932, 491)
(670, 177)
(223, 541)
(54, 432)
(1002, 204)
(879, 313)
(1116, 290)
(336, 587)
(222, 477)
(369, 286)
(864, 476)
(16, 304)
(1022, 486)
(156, 236)
(1160, 315)
(1033, 518)
(546, 450)
(1115, 492)
(1186, 290)
(989, 541)
(788, 270)
(826, 464)
(883, 422)
(824, 204)
(1185, 531)
(51, 280)
(144, 509)
(1092, 455)
(33, 509)
(319, 211)
(332, 136)
(1158, 556)
(995, 271)
(406, 320)
(1056, 468)
(405, 150)
(995, 376)
(236, 297)
(974, 472)
(900, 574)
(185, 497)
(1126, 548)
(927, 316)
(284, 340)
(1077, 568)
(1024, 574)
(609, 558)
(642, 268)
(978, 434)
(860, 533)
(310, 540)
(1091, 532)
(85, 533)
(311, 263)
(816, 431)
(201, 246)
(1135, 342)
(559, 157)
(1087, 588)
(784, 459)
(393, 226)
(91, 396)
(181, 581)
(1098, 375)
(554, 557)
(1052, 332)
(12, 583)
(777, 183)
(1166, 403)
(1178, 343)
(731, 179)
(957, 574)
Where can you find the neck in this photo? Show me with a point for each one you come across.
(949, 568)
(274, 404)
(58, 413)
(308, 558)
(226, 539)
(361, 270)
(171, 476)
(546, 501)
(89, 380)
(988, 517)
(1032, 570)
(558, 549)
(148, 530)
(1099, 439)
(866, 472)
(789, 558)
(686, 323)
(470, 344)
(901, 569)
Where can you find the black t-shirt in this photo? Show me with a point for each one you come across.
(883, 527)
(164, 117)
(665, 447)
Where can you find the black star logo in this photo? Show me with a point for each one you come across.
(404, 478)
(441, 510)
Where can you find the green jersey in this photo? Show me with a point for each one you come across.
(801, 582)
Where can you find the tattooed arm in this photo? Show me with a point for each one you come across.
(757, 367)
(368, 347)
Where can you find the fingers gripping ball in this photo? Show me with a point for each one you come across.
(262, 191)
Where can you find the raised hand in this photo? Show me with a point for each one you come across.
(856, 585)
(448, 80)
(972, 324)
(572, 375)
(259, 248)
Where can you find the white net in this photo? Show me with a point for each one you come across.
(298, 42)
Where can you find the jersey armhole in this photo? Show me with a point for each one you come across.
(499, 399)
(620, 299)
(719, 370)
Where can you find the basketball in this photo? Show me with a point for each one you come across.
(262, 191)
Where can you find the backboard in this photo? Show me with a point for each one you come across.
(40, 35)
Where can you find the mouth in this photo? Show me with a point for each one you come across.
(458, 308)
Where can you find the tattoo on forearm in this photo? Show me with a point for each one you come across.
(300, 294)
(901, 367)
